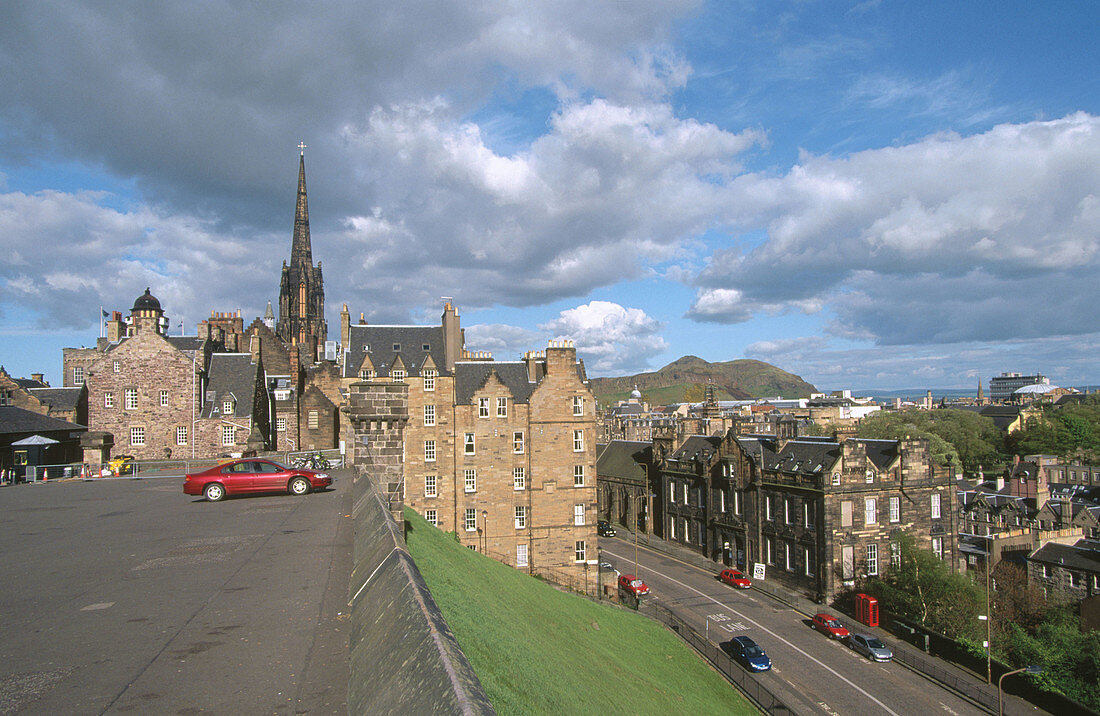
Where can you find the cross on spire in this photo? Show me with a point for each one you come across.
(302, 146)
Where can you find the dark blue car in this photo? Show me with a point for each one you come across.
(749, 653)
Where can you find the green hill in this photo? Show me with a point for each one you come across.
(540, 650)
(734, 380)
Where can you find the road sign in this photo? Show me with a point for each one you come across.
(758, 570)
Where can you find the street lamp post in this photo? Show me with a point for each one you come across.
(1000, 693)
(485, 531)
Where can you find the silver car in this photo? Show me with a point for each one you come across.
(871, 647)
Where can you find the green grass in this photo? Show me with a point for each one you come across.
(539, 650)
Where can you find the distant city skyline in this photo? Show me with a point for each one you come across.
(867, 195)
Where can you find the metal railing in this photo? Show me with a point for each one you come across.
(965, 685)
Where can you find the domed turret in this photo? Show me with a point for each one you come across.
(147, 315)
(146, 302)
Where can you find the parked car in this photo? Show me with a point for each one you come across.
(252, 475)
(735, 578)
(604, 528)
(828, 625)
(871, 647)
(633, 585)
(748, 653)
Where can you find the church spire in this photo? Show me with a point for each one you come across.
(300, 249)
(302, 287)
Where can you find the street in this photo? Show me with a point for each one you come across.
(810, 673)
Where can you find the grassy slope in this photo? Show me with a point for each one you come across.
(539, 650)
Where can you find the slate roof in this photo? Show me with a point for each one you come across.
(18, 420)
(379, 343)
(623, 459)
(29, 383)
(185, 343)
(232, 376)
(1069, 556)
(803, 455)
(702, 446)
(58, 398)
(881, 453)
(472, 375)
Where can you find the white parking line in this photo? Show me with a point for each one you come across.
(769, 632)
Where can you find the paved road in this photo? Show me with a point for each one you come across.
(810, 673)
(127, 596)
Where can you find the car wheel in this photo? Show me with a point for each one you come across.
(299, 486)
(214, 492)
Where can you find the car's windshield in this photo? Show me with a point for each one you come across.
(832, 623)
(753, 651)
(637, 583)
(875, 643)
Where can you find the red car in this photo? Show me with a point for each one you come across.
(828, 625)
(735, 578)
(253, 475)
(633, 585)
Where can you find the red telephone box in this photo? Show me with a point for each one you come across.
(867, 609)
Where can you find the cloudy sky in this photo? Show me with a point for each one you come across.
(874, 195)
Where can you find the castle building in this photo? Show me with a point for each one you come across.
(302, 288)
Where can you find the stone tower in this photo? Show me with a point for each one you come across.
(302, 290)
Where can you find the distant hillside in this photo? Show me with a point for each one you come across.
(734, 380)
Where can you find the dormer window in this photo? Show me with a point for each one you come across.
(396, 347)
(397, 374)
(227, 405)
(427, 347)
(366, 348)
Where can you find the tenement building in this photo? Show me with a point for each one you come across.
(502, 453)
(819, 514)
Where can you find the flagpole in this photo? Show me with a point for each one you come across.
(101, 324)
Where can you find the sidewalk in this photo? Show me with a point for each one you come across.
(961, 681)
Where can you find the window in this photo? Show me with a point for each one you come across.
(468, 444)
(768, 512)
(521, 555)
(787, 510)
(1074, 579)
(895, 509)
(521, 517)
(312, 420)
(736, 502)
(366, 374)
(482, 407)
(396, 347)
(430, 516)
(469, 479)
(895, 554)
(807, 514)
(836, 478)
(870, 511)
(108, 400)
(429, 486)
(228, 435)
(164, 398)
(578, 514)
(137, 436)
(788, 558)
(517, 442)
(429, 415)
(471, 519)
(579, 551)
(117, 366)
(181, 436)
(870, 476)
(685, 486)
(935, 505)
(429, 379)
(280, 425)
(1047, 574)
(429, 451)
(769, 550)
(846, 513)
(578, 405)
(672, 528)
(519, 478)
(502, 407)
(578, 441)
(937, 546)
(808, 560)
(872, 560)
(78, 375)
(397, 374)
(131, 399)
(227, 406)
(578, 476)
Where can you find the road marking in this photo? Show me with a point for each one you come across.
(949, 710)
(97, 607)
(827, 708)
(770, 633)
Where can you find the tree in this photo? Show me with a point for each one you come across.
(955, 437)
(1015, 600)
(694, 393)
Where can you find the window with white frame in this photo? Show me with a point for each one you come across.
(429, 451)
(937, 546)
(870, 476)
(809, 561)
(521, 555)
(769, 550)
(502, 407)
(768, 512)
(685, 487)
(870, 511)
(164, 398)
(788, 556)
(471, 519)
(721, 500)
(736, 502)
(397, 374)
(672, 527)
(807, 514)
(935, 505)
(787, 510)
(429, 379)
(430, 486)
(468, 444)
(227, 406)
(469, 479)
(895, 509)
(229, 436)
(578, 476)
(78, 375)
(482, 407)
(872, 560)
(578, 405)
(579, 552)
(108, 399)
(521, 517)
(836, 478)
(429, 415)
(895, 554)
(519, 478)
(517, 442)
(131, 398)
(280, 425)
(578, 514)
(137, 436)
(181, 435)
(578, 441)
(312, 420)
(117, 366)
(430, 516)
